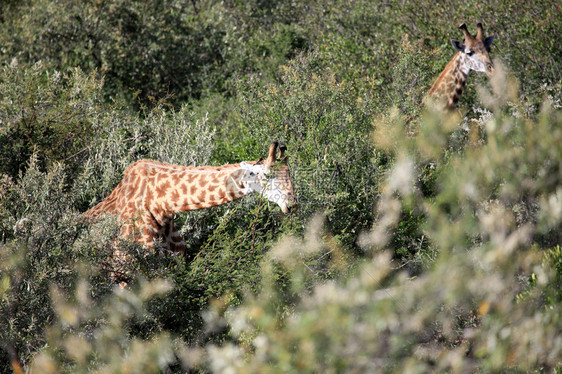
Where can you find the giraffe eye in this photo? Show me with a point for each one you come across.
(470, 53)
(252, 174)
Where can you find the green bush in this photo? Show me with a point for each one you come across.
(46, 113)
(43, 228)
(149, 49)
(142, 48)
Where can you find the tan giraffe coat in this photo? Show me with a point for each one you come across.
(152, 192)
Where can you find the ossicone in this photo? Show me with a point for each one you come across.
(271, 158)
(464, 30)
(479, 31)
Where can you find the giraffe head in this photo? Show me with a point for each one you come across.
(271, 178)
(476, 50)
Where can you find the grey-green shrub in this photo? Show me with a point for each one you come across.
(47, 113)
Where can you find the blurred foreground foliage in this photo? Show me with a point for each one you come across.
(437, 252)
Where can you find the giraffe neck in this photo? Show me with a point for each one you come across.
(448, 87)
(172, 189)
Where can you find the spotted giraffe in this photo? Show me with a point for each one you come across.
(152, 192)
(472, 56)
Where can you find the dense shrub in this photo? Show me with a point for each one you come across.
(46, 113)
(146, 47)
(149, 48)
(40, 254)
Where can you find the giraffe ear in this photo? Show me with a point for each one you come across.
(457, 45)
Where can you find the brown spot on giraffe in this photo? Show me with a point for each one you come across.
(175, 196)
(458, 91)
(162, 188)
(183, 188)
(202, 195)
(202, 181)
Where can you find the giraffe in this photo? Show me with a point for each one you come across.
(152, 192)
(472, 55)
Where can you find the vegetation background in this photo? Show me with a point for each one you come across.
(439, 252)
